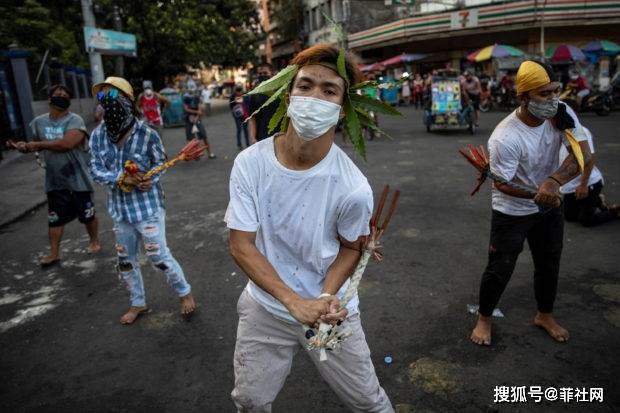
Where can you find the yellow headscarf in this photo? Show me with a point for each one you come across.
(532, 75)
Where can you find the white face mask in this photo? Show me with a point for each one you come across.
(544, 110)
(312, 117)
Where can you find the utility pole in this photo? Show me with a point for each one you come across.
(96, 65)
(119, 64)
(542, 29)
(264, 6)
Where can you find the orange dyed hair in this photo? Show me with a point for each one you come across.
(328, 55)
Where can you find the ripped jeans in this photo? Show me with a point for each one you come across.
(153, 234)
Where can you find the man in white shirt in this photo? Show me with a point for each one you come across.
(524, 148)
(583, 201)
(299, 209)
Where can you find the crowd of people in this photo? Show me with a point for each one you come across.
(299, 254)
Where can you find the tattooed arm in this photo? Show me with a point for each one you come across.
(570, 168)
(549, 191)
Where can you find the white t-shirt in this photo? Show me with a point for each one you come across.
(298, 216)
(529, 153)
(595, 176)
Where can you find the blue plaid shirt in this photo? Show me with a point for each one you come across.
(144, 147)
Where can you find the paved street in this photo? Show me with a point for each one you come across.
(64, 350)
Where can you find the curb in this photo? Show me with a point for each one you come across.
(19, 216)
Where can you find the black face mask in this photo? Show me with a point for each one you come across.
(60, 102)
(118, 116)
(262, 78)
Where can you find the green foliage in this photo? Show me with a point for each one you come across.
(284, 76)
(341, 66)
(367, 122)
(289, 17)
(381, 85)
(171, 34)
(278, 115)
(373, 104)
(278, 94)
(36, 27)
(354, 128)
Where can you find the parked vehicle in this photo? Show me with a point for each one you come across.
(600, 103)
(173, 114)
(447, 107)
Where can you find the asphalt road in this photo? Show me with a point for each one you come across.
(63, 349)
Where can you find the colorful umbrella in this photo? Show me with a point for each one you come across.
(497, 50)
(404, 58)
(605, 47)
(564, 53)
(372, 67)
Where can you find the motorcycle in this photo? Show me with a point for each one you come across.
(498, 98)
(486, 100)
(600, 103)
(505, 98)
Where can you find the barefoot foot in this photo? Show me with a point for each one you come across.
(548, 323)
(188, 306)
(481, 334)
(49, 260)
(133, 313)
(93, 247)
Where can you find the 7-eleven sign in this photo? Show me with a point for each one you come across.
(464, 19)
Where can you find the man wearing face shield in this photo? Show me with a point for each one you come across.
(61, 136)
(138, 215)
(299, 208)
(524, 149)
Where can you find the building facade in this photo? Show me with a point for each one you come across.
(448, 36)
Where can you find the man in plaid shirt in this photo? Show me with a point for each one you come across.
(139, 214)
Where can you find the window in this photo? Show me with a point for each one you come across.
(318, 18)
(337, 10)
(307, 21)
(327, 9)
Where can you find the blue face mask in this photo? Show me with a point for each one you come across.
(544, 110)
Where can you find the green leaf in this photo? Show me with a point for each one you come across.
(364, 85)
(284, 125)
(342, 39)
(283, 77)
(367, 122)
(279, 94)
(373, 104)
(381, 85)
(341, 65)
(354, 129)
(278, 115)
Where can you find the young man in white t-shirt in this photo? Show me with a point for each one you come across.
(524, 148)
(583, 201)
(299, 209)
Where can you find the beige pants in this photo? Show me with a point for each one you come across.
(264, 354)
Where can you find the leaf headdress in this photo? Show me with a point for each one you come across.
(356, 105)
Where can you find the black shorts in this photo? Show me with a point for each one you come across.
(475, 100)
(64, 206)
